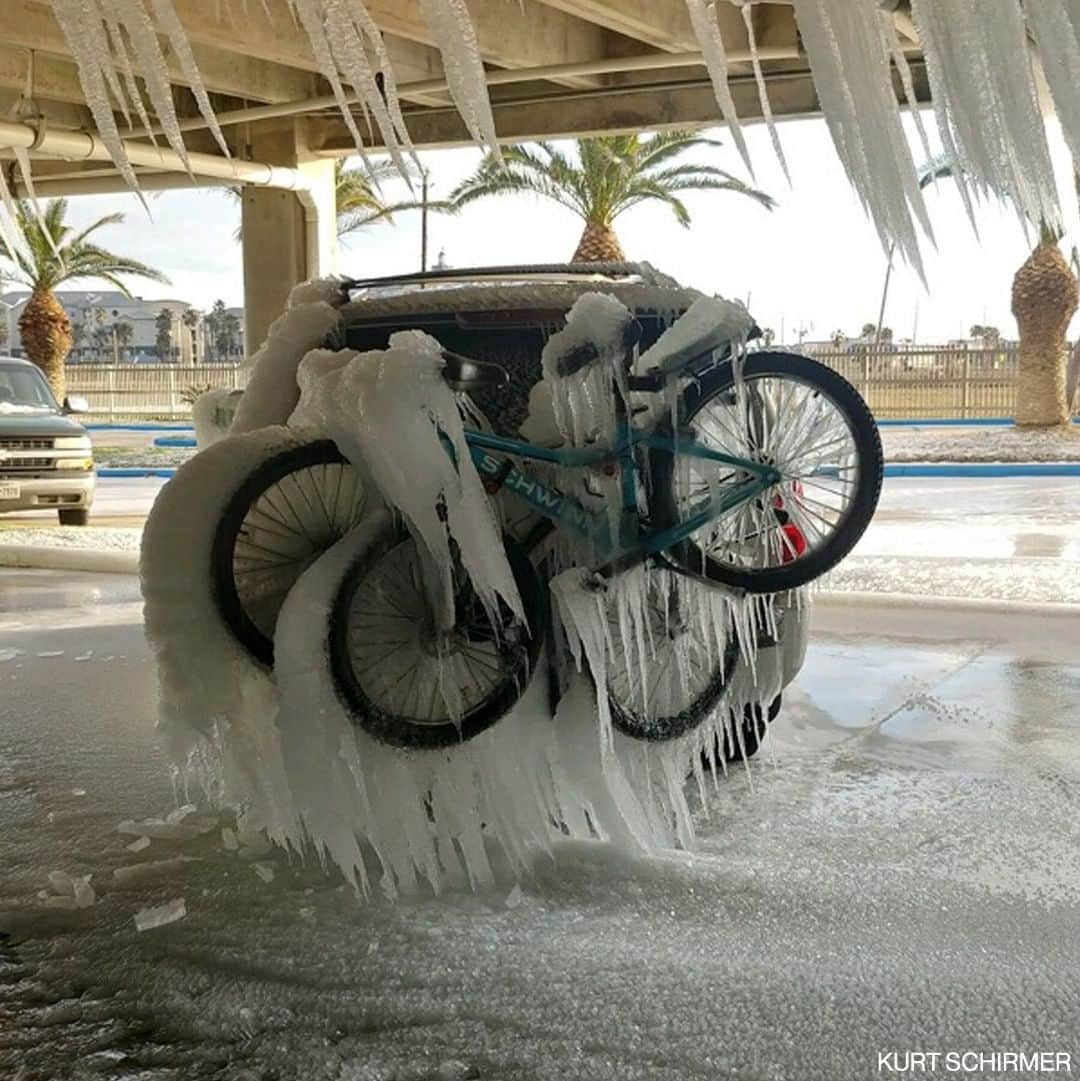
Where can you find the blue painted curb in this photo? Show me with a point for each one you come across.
(945, 422)
(134, 471)
(163, 427)
(899, 469)
(983, 469)
(174, 441)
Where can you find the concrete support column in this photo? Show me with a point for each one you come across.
(288, 236)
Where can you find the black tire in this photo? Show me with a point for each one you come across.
(74, 515)
(867, 444)
(639, 723)
(517, 658)
(253, 623)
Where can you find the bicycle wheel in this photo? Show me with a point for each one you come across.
(390, 666)
(665, 677)
(806, 420)
(289, 511)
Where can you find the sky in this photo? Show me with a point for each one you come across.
(812, 266)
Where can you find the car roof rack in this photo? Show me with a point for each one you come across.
(520, 271)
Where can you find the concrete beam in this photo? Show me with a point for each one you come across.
(664, 26)
(627, 109)
(521, 33)
(29, 24)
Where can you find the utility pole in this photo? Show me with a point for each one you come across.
(423, 219)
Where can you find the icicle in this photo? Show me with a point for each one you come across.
(140, 32)
(454, 34)
(1056, 36)
(10, 231)
(311, 18)
(711, 44)
(170, 23)
(763, 90)
(892, 39)
(846, 48)
(81, 27)
(134, 94)
(347, 41)
(988, 114)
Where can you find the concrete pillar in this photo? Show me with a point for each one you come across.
(288, 236)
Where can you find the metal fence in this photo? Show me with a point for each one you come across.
(148, 391)
(918, 382)
(923, 382)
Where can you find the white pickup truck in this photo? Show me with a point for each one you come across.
(46, 459)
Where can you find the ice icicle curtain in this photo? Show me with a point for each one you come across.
(982, 61)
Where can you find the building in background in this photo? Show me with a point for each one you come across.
(110, 328)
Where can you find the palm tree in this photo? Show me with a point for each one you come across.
(122, 334)
(612, 173)
(54, 253)
(1045, 295)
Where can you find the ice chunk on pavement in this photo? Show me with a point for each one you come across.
(62, 883)
(78, 791)
(61, 902)
(51, 653)
(84, 892)
(9, 654)
(139, 844)
(181, 813)
(264, 871)
(228, 840)
(137, 872)
(513, 898)
(146, 919)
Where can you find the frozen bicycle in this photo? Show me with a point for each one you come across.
(761, 483)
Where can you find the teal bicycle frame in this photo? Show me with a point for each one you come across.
(563, 510)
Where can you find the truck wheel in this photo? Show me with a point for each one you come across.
(75, 516)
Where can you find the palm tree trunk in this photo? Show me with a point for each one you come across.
(1044, 300)
(598, 244)
(46, 337)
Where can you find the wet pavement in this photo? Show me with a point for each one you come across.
(897, 870)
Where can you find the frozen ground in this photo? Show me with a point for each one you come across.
(936, 443)
(121, 539)
(901, 872)
(1010, 538)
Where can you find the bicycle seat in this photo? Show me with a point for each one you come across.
(461, 373)
(707, 326)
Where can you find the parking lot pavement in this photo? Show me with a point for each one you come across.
(896, 870)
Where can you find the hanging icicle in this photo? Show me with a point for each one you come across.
(452, 28)
(985, 101)
(1055, 27)
(850, 66)
(763, 90)
(707, 31)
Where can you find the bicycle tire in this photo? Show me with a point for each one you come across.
(398, 729)
(235, 613)
(867, 443)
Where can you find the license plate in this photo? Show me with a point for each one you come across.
(9, 491)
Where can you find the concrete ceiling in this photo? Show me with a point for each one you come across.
(264, 59)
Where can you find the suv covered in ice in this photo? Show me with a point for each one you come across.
(46, 459)
(503, 315)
